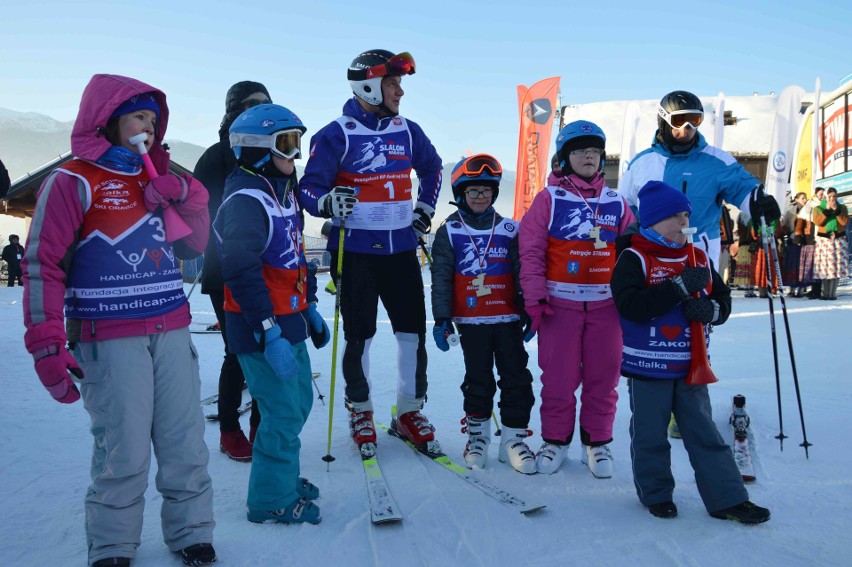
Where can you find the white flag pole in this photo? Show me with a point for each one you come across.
(782, 144)
(628, 137)
(719, 122)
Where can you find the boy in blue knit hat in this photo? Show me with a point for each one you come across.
(661, 284)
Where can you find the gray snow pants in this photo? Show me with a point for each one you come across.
(652, 402)
(143, 391)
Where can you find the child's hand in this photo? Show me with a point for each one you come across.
(443, 329)
(535, 311)
(52, 364)
(320, 334)
(160, 192)
(703, 310)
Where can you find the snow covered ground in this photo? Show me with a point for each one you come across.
(45, 449)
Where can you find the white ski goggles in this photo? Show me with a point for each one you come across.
(680, 118)
(285, 143)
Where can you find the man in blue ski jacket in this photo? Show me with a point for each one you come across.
(680, 156)
(359, 175)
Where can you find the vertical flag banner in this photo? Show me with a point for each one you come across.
(803, 157)
(628, 137)
(719, 121)
(788, 118)
(536, 106)
(816, 162)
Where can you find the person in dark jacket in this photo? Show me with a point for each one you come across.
(13, 253)
(213, 167)
(475, 266)
(661, 285)
(270, 305)
(5, 182)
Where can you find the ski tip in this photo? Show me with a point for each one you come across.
(533, 509)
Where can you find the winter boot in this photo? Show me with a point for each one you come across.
(550, 457)
(306, 489)
(478, 429)
(663, 510)
(515, 451)
(112, 562)
(746, 512)
(298, 511)
(198, 554)
(674, 432)
(235, 445)
(598, 459)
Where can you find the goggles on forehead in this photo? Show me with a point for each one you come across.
(286, 143)
(255, 99)
(475, 165)
(401, 64)
(680, 118)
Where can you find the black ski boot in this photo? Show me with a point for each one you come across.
(198, 554)
(663, 510)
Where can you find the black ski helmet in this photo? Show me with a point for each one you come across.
(675, 101)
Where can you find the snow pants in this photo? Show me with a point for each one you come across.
(580, 344)
(652, 402)
(285, 406)
(139, 392)
(396, 279)
(501, 344)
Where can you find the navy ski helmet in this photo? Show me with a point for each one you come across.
(366, 71)
(264, 130)
(577, 135)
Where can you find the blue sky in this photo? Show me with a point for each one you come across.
(470, 55)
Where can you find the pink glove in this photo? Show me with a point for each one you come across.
(52, 365)
(160, 192)
(536, 311)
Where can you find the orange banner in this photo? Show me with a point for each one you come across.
(536, 107)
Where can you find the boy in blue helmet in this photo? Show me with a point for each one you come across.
(270, 305)
(475, 285)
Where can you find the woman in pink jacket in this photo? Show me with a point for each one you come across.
(101, 274)
(567, 249)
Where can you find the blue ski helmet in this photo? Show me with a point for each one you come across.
(268, 126)
(577, 135)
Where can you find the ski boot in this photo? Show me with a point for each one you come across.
(363, 432)
(550, 457)
(598, 459)
(515, 451)
(414, 427)
(298, 511)
(478, 429)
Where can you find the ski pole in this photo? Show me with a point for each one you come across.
(774, 246)
(422, 244)
(339, 284)
(320, 397)
(195, 283)
(765, 247)
(176, 228)
(496, 424)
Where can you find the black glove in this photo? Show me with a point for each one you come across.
(691, 280)
(762, 205)
(799, 240)
(701, 309)
(422, 221)
(338, 202)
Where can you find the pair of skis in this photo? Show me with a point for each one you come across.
(383, 508)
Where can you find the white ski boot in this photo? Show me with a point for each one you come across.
(514, 450)
(550, 457)
(479, 437)
(598, 459)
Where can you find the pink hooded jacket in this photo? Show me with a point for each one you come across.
(533, 239)
(58, 217)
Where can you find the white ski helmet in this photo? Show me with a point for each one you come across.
(367, 70)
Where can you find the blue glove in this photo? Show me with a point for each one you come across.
(278, 353)
(320, 334)
(443, 328)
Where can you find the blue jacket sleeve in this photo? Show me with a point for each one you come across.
(245, 228)
(326, 151)
(736, 184)
(427, 164)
